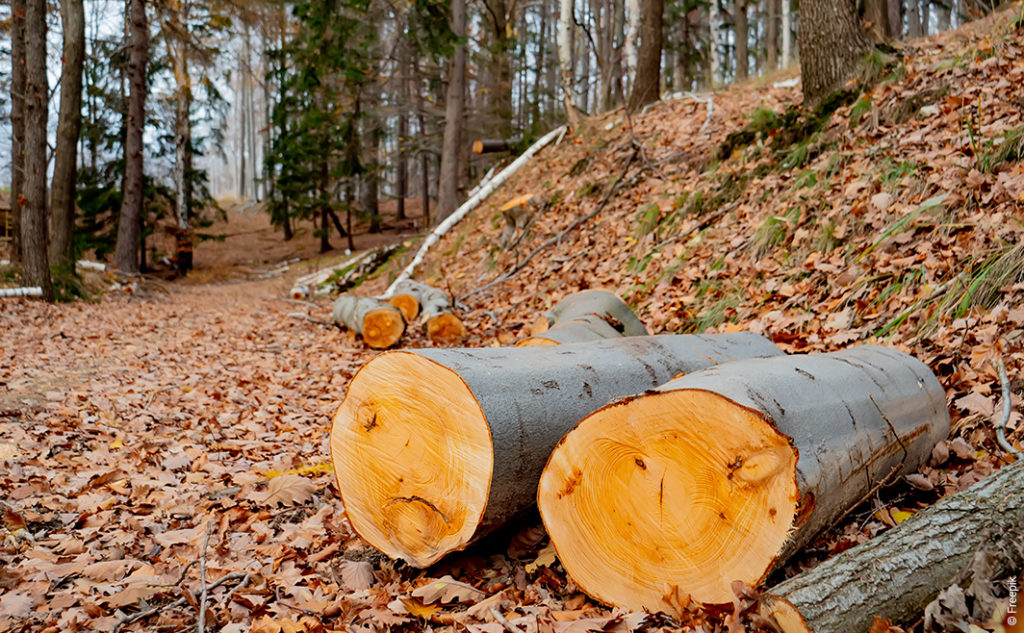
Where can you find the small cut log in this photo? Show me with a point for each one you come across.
(722, 474)
(492, 145)
(589, 315)
(434, 447)
(897, 574)
(434, 309)
(380, 324)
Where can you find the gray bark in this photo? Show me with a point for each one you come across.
(600, 305)
(532, 396)
(128, 228)
(17, 123)
(832, 46)
(432, 301)
(351, 311)
(34, 220)
(897, 574)
(565, 62)
(455, 102)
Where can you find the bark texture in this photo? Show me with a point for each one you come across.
(832, 46)
(647, 85)
(756, 456)
(381, 325)
(740, 23)
(455, 104)
(897, 574)
(433, 447)
(17, 123)
(129, 223)
(565, 63)
(69, 126)
(35, 266)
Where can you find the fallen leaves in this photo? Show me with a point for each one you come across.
(288, 490)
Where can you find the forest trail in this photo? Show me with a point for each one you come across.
(187, 422)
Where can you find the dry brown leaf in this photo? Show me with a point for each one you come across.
(109, 570)
(16, 604)
(447, 590)
(356, 575)
(288, 490)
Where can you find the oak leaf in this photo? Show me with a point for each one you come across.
(447, 590)
(288, 490)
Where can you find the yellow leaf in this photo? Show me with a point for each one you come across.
(117, 444)
(420, 610)
(899, 516)
(545, 558)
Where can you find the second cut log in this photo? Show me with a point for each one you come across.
(434, 447)
(589, 315)
(722, 474)
(380, 324)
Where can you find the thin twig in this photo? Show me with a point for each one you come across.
(1007, 408)
(558, 238)
(126, 620)
(503, 621)
(710, 102)
(201, 626)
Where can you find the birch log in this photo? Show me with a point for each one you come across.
(473, 202)
(380, 324)
(897, 574)
(434, 308)
(585, 316)
(434, 447)
(721, 475)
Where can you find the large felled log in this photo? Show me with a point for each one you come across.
(585, 316)
(897, 574)
(720, 475)
(381, 325)
(433, 447)
(435, 310)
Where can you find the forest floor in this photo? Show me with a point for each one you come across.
(168, 430)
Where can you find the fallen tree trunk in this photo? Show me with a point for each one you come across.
(585, 316)
(434, 308)
(380, 324)
(721, 475)
(434, 447)
(492, 145)
(471, 204)
(897, 574)
(311, 283)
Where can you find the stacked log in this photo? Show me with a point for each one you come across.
(433, 307)
(722, 474)
(381, 325)
(434, 447)
(589, 315)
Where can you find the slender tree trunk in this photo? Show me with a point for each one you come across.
(455, 102)
(618, 40)
(913, 18)
(402, 164)
(787, 33)
(182, 154)
(629, 47)
(925, 17)
(369, 188)
(538, 81)
(69, 125)
(832, 45)
(771, 34)
(35, 267)
(895, 10)
(250, 104)
(740, 21)
(17, 123)
(714, 38)
(127, 252)
(945, 13)
(647, 85)
(565, 62)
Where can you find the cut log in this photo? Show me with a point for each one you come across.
(492, 145)
(722, 474)
(897, 574)
(433, 447)
(518, 214)
(380, 324)
(408, 304)
(589, 315)
(439, 322)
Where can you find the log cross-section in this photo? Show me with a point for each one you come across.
(720, 475)
(434, 447)
(381, 325)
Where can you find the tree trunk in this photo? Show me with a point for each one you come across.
(913, 18)
(451, 146)
(647, 84)
(402, 164)
(681, 77)
(630, 51)
(17, 123)
(35, 266)
(753, 459)
(484, 422)
(715, 30)
(128, 232)
(565, 62)
(897, 574)
(876, 12)
(787, 33)
(740, 22)
(369, 188)
(380, 324)
(182, 149)
(772, 34)
(832, 46)
(585, 316)
(69, 125)
(433, 307)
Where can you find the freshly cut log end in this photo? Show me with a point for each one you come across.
(785, 615)
(412, 453)
(536, 341)
(383, 327)
(408, 304)
(540, 325)
(722, 474)
(688, 489)
(446, 329)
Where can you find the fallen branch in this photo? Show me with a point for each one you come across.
(1001, 425)
(471, 204)
(29, 291)
(201, 626)
(561, 235)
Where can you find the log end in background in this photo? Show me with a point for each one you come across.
(412, 454)
(676, 493)
(446, 329)
(408, 304)
(383, 327)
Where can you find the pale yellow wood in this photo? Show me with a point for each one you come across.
(680, 493)
(412, 454)
(383, 327)
(408, 304)
(446, 329)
